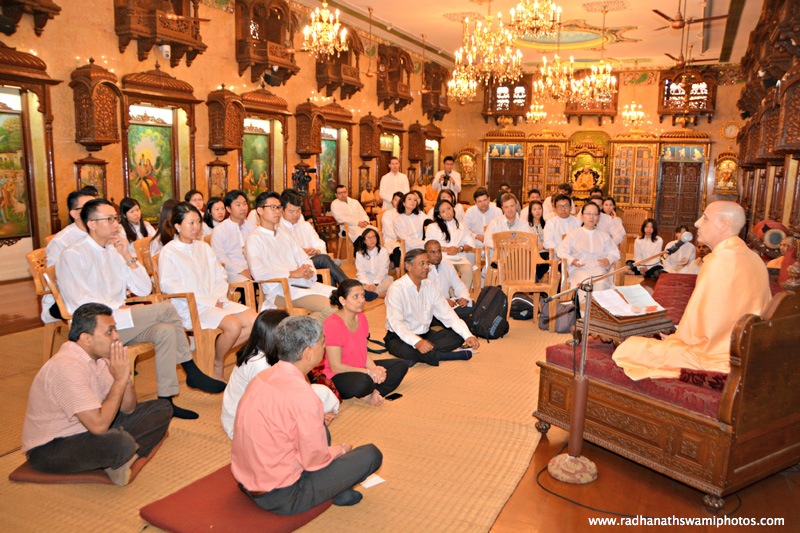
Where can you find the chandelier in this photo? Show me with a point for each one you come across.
(632, 114)
(463, 84)
(598, 87)
(536, 19)
(324, 36)
(536, 114)
(488, 51)
(556, 80)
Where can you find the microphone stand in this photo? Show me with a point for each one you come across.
(572, 467)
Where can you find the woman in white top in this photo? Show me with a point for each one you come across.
(215, 212)
(131, 224)
(455, 239)
(251, 361)
(645, 247)
(164, 230)
(190, 265)
(534, 216)
(195, 198)
(588, 252)
(610, 209)
(447, 194)
(409, 221)
(372, 263)
(387, 228)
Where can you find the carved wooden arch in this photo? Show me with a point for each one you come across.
(225, 121)
(29, 73)
(265, 105)
(788, 141)
(159, 89)
(769, 116)
(342, 71)
(266, 45)
(96, 96)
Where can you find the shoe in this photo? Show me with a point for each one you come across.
(370, 296)
(347, 498)
(458, 355)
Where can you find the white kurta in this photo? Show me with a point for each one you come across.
(588, 247)
(613, 227)
(675, 262)
(228, 240)
(555, 228)
(732, 283)
(549, 211)
(454, 183)
(644, 248)
(194, 268)
(63, 240)
(476, 221)
(274, 255)
(458, 209)
(304, 235)
(389, 237)
(459, 236)
(149, 229)
(373, 268)
(445, 278)
(390, 184)
(500, 224)
(409, 228)
(349, 214)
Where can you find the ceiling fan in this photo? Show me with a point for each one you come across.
(684, 61)
(679, 22)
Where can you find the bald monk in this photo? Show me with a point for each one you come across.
(732, 283)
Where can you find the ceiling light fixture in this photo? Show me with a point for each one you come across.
(324, 35)
(535, 19)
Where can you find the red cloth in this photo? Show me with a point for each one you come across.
(788, 259)
(352, 343)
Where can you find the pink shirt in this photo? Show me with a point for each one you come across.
(70, 382)
(353, 343)
(279, 431)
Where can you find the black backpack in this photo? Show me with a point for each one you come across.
(489, 315)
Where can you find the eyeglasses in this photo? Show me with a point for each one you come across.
(563, 206)
(272, 206)
(108, 219)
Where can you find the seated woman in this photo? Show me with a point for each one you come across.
(195, 198)
(455, 239)
(646, 246)
(409, 221)
(534, 216)
(131, 224)
(372, 263)
(189, 265)
(389, 235)
(610, 209)
(215, 212)
(164, 230)
(347, 363)
(447, 194)
(588, 252)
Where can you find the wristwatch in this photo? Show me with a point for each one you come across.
(131, 262)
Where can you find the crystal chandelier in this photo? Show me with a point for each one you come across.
(324, 36)
(632, 114)
(492, 49)
(536, 114)
(556, 79)
(598, 87)
(536, 19)
(463, 84)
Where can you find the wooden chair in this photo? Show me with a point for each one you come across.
(632, 220)
(207, 239)
(344, 247)
(49, 238)
(37, 263)
(517, 258)
(142, 248)
(134, 350)
(287, 295)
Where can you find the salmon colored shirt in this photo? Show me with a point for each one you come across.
(279, 431)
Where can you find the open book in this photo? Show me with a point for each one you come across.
(632, 300)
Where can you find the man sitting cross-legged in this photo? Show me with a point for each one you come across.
(100, 268)
(411, 304)
(82, 413)
(444, 276)
(281, 453)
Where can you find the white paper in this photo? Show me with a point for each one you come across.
(622, 301)
(372, 480)
(123, 318)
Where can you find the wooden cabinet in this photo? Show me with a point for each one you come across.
(634, 167)
(545, 161)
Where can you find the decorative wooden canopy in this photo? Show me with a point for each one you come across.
(42, 11)
(394, 77)
(434, 93)
(788, 141)
(225, 121)
(769, 116)
(342, 71)
(96, 96)
(264, 35)
(417, 135)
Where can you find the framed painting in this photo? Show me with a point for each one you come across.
(587, 172)
(92, 172)
(467, 160)
(217, 175)
(428, 169)
(255, 160)
(15, 221)
(328, 173)
(150, 154)
(727, 166)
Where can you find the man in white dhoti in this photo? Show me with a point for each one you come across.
(272, 254)
(733, 282)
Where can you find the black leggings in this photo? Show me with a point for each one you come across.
(358, 384)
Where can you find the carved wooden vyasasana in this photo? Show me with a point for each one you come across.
(394, 77)
(225, 121)
(41, 10)
(174, 26)
(342, 71)
(264, 35)
(96, 96)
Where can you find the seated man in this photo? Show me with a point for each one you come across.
(694, 267)
(508, 221)
(349, 214)
(369, 200)
(82, 413)
(732, 283)
(281, 453)
(549, 203)
(306, 237)
(100, 268)
(563, 223)
(445, 278)
(786, 243)
(411, 304)
(271, 254)
(478, 216)
(229, 236)
(533, 194)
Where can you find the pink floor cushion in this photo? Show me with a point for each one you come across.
(216, 504)
(703, 400)
(25, 473)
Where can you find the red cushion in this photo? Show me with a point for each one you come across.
(25, 473)
(215, 503)
(673, 292)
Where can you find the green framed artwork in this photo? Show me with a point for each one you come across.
(15, 219)
(150, 167)
(328, 170)
(255, 162)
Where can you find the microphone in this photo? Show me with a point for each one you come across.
(686, 237)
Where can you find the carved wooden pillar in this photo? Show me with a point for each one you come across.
(225, 121)
(778, 189)
(761, 195)
(370, 130)
(96, 98)
(416, 142)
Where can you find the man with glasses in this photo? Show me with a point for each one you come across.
(549, 204)
(349, 214)
(229, 236)
(562, 224)
(271, 254)
(101, 269)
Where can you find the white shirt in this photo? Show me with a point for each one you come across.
(273, 254)
(228, 240)
(88, 272)
(684, 255)
(501, 224)
(207, 230)
(409, 228)
(555, 228)
(349, 214)
(644, 248)
(445, 278)
(138, 231)
(389, 237)
(374, 267)
(548, 210)
(613, 227)
(454, 184)
(304, 235)
(458, 209)
(63, 240)
(477, 222)
(459, 236)
(409, 311)
(390, 184)
(194, 268)
(588, 247)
